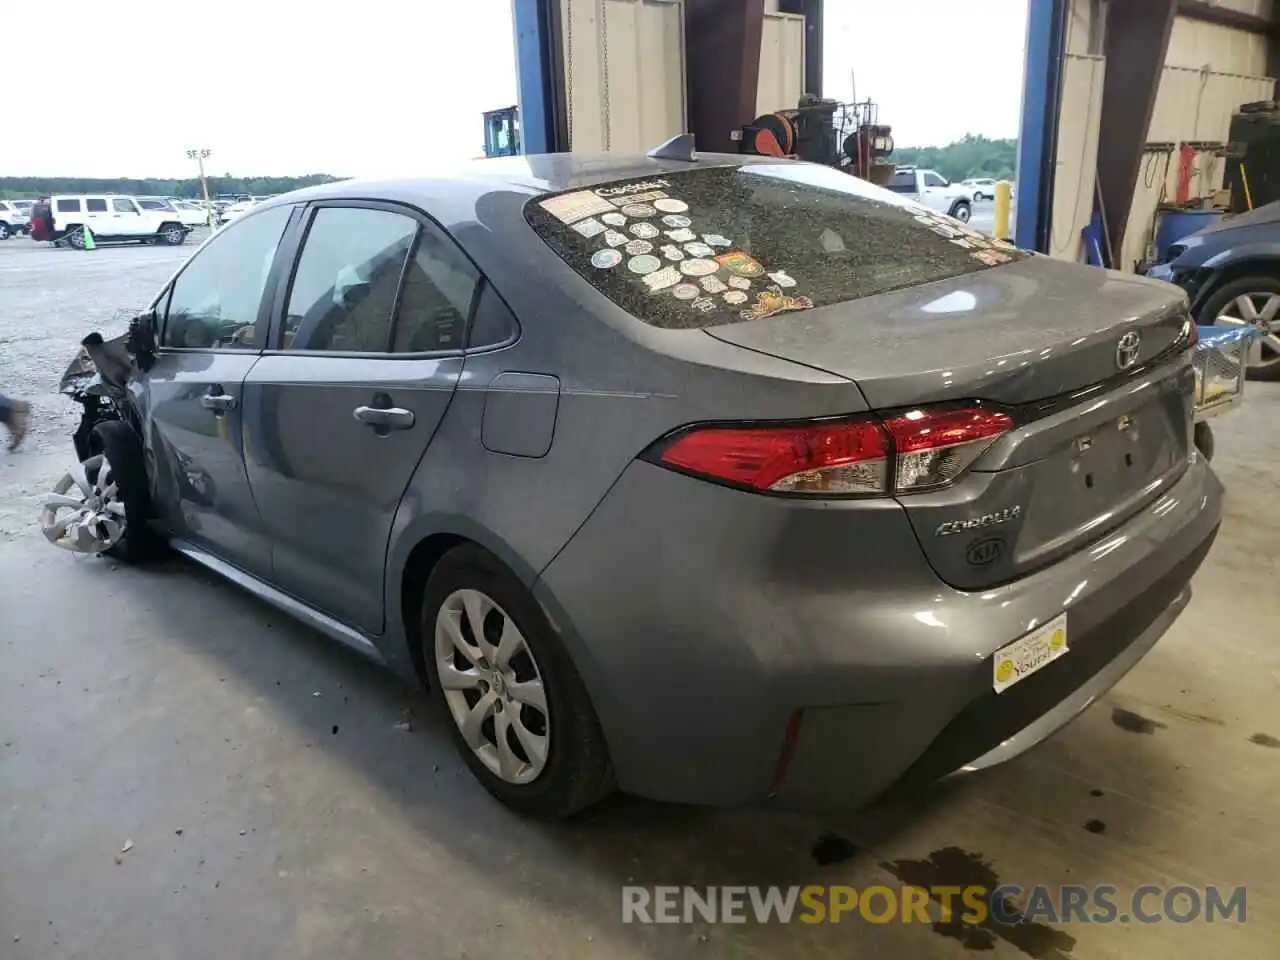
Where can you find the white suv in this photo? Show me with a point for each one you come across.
(933, 190)
(13, 219)
(189, 214)
(112, 219)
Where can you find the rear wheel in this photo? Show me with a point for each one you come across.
(518, 711)
(1251, 301)
(173, 234)
(962, 211)
(5, 232)
(75, 237)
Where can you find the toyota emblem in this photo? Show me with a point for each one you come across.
(1127, 349)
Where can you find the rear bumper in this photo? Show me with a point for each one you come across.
(703, 619)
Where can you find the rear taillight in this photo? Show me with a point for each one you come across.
(907, 453)
(1191, 333)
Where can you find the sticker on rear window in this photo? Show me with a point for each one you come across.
(645, 231)
(643, 264)
(698, 249)
(614, 219)
(783, 279)
(716, 240)
(672, 252)
(571, 207)
(637, 247)
(713, 285)
(614, 239)
(681, 235)
(703, 304)
(671, 205)
(639, 210)
(735, 297)
(740, 283)
(740, 264)
(772, 301)
(604, 259)
(671, 220)
(685, 291)
(698, 268)
(660, 280)
(590, 228)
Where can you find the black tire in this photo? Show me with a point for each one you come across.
(123, 450)
(172, 234)
(1204, 440)
(5, 232)
(75, 237)
(1269, 367)
(962, 210)
(578, 772)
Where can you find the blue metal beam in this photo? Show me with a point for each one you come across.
(1038, 139)
(540, 76)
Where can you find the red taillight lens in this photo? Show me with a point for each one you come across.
(935, 447)
(838, 457)
(1193, 335)
(926, 449)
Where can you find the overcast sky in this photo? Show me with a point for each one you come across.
(387, 87)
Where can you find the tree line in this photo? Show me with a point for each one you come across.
(21, 188)
(971, 156)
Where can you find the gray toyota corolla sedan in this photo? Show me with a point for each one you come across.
(724, 481)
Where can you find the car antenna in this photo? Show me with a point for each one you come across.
(679, 147)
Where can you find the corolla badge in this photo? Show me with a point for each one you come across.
(978, 523)
(1127, 349)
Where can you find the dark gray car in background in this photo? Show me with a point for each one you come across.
(720, 481)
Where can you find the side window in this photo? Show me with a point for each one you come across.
(933, 180)
(94, 205)
(70, 206)
(902, 183)
(215, 299)
(344, 288)
(151, 204)
(439, 286)
(123, 206)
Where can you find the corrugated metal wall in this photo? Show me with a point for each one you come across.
(624, 72)
(781, 82)
(1209, 71)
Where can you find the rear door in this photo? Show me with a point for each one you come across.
(366, 353)
(97, 216)
(213, 323)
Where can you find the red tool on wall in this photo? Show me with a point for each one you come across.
(1186, 169)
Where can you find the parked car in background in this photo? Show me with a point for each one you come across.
(229, 213)
(193, 213)
(1231, 272)
(934, 191)
(113, 219)
(13, 219)
(984, 188)
(723, 481)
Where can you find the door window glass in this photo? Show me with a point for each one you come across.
(902, 183)
(123, 206)
(933, 180)
(71, 206)
(215, 299)
(344, 289)
(93, 205)
(435, 303)
(152, 205)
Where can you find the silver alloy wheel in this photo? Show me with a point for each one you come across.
(963, 213)
(4, 231)
(492, 686)
(84, 512)
(173, 235)
(1256, 310)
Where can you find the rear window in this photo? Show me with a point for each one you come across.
(152, 205)
(94, 205)
(68, 206)
(721, 245)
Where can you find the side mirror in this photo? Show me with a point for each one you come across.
(142, 339)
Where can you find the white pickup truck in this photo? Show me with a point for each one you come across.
(933, 190)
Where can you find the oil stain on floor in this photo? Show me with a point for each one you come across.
(1134, 722)
(951, 866)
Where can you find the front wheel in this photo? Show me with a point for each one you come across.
(5, 232)
(962, 211)
(75, 238)
(515, 704)
(172, 234)
(1255, 302)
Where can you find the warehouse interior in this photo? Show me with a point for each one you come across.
(209, 797)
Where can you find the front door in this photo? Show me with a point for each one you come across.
(126, 218)
(369, 351)
(212, 323)
(97, 217)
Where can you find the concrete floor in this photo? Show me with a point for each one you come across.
(277, 809)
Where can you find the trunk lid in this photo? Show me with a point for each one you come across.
(1029, 330)
(1102, 423)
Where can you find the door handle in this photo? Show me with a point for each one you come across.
(383, 419)
(218, 402)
